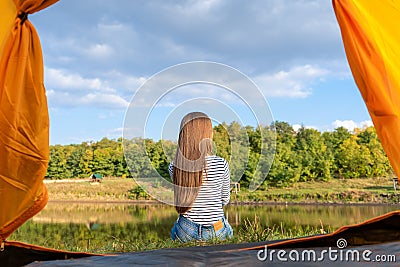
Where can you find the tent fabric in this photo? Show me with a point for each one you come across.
(372, 43)
(380, 235)
(192, 257)
(7, 18)
(19, 254)
(24, 122)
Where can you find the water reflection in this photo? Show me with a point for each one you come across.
(332, 216)
(74, 226)
(313, 215)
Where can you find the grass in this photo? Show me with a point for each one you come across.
(110, 189)
(251, 231)
(378, 190)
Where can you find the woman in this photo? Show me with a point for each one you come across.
(201, 183)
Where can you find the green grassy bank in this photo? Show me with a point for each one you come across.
(77, 238)
(369, 191)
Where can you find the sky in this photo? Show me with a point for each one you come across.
(108, 62)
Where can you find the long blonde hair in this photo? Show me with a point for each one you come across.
(194, 144)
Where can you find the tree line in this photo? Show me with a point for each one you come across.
(290, 156)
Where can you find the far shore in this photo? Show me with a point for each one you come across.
(372, 191)
(232, 203)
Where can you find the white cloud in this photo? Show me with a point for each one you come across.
(296, 127)
(351, 125)
(60, 99)
(124, 82)
(110, 90)
(247, 34)
(295, 83)
(113, 27)
(107, 82)
(99, 51)
(94, 100)
(115, 133)
(61, 79)
(206, 92)
(103, 100)
(197, 7)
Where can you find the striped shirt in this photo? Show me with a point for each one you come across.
(214, 192)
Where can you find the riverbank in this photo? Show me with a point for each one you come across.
(110, 228)
(100, 217)
(335, 191)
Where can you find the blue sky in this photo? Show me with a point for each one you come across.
(98, 53)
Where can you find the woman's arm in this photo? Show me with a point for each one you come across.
(170, 169)
(226, 185)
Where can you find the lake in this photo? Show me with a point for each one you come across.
(109, 227)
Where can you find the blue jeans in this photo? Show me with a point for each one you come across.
(186, 230)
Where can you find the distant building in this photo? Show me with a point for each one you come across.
(96, 177)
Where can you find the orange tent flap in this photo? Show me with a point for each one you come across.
(7, 18)
(24, 122)
(372, 43)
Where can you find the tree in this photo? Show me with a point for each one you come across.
(57, 167)
(157, 157)
(355, 160)
(137, 159)
(288, 156)
(75, 161)
(316, 161)
(379, 165)
(333, 141)
(222, 141)
(284, 132)
(285, 168)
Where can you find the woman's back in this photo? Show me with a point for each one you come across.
(201, 183)
(214, 192)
